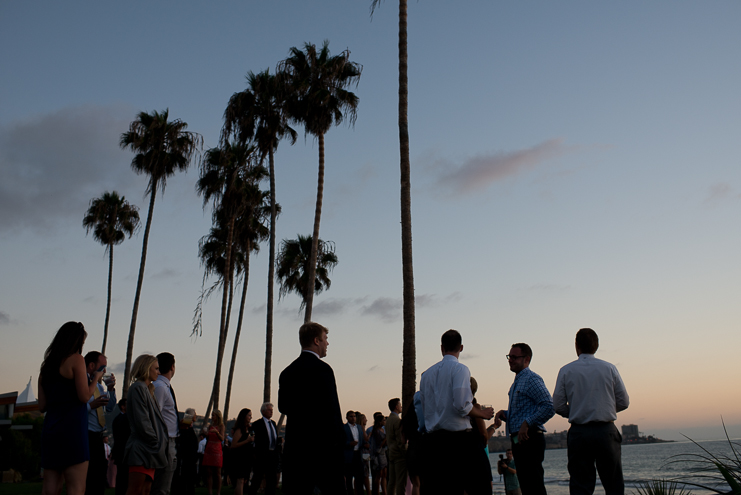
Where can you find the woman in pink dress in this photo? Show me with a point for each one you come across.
(213, 455)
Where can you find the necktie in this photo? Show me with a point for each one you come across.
(175, 401)
(271, 433)
(99, 411)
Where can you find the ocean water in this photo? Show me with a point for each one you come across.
(640, 463)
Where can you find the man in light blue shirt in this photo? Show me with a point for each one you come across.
(165, 396)
(97, 406)
(530, 406)
(447, 406)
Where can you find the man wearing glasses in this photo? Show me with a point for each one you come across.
(530, 406)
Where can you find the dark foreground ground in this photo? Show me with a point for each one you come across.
(35, 489)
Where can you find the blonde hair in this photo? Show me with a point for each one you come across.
(140, 370)
(219, 417)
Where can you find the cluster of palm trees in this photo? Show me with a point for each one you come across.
(310, 88)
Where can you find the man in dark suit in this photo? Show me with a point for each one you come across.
(266, 452)
(315, 438)
(353, 461)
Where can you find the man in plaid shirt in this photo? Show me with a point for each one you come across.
(530, 406)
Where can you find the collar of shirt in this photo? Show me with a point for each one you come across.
(312, 352)
(163, 379)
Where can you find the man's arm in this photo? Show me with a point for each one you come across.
(560, 402)
(160, 393)
(622, 401)
(540, 396)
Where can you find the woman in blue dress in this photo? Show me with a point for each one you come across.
(64, 390)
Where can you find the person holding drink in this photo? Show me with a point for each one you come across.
(447, 406)
(101, 401)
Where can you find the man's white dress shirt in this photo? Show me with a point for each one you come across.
(446, 395)
(589, 389)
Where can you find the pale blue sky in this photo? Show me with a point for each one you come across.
(573, 164)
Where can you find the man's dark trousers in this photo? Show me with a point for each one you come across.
(354, 470)
(595, 444)
(529, 456)
(98, 467)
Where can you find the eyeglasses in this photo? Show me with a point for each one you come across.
(510, 357)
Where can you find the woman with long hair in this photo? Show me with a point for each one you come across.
(379, 461)
(64, 389)
(147, 447)
(243, 445)
(213, 456)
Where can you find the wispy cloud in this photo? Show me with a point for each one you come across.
(479, 172)
(548, 288)
(4, 318)
(374, 368)
(720, 191)
(431, 300)
(166, 273)
(53, 164)
(386, 308)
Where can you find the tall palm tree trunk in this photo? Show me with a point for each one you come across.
(135, 312)
(271, 281)
(223, 330)
(315, 235)
(408, 367)
(108, 304)
(237, 333)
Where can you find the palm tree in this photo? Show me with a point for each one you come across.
(162, 148)
(258, 114)
(111, 218)
(250, 230)
(409, 352)
(293, 264)
(318, 99)
(223, 172)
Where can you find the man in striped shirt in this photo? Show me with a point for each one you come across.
(530, 406)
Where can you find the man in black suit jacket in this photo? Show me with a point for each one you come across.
(266, 452)
(315, 438)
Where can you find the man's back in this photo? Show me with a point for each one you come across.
(307, 395)
(589, 389)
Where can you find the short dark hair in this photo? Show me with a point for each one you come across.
(310, 331)
(92, 357)
(350, 412)
(587, 340)
(166, 362)
(393, 403)
(524, 348)
(451, 340)
(122, 403)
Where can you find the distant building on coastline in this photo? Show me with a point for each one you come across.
(630, 432)
(632, 435)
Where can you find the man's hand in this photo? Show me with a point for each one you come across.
(353, 443)
(100, 401)
(487, 412)
(499, 417)
(111, 383)
(522, 434)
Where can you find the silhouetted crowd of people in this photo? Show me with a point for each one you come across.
(437, 447)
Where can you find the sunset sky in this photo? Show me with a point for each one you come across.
(574, 164)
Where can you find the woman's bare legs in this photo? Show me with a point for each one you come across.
(238, 486)
(52, 484)
(209, 480)
(74, 476)
(217, 473)
(384, 475)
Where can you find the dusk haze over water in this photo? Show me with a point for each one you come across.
(574, 164)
